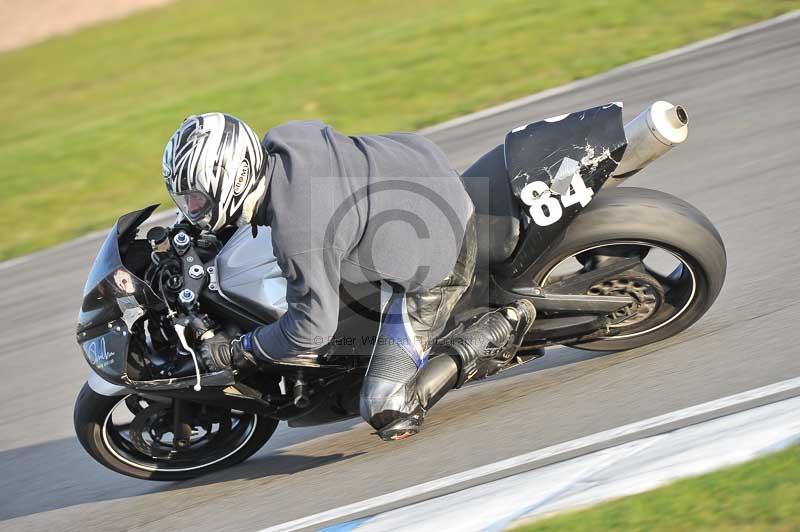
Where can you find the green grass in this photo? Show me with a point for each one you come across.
(85, 116)
(760, 495)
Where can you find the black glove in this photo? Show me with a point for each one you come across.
(221, 352)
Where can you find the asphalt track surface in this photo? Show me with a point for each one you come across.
(740, 166)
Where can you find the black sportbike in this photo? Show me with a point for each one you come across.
(606, 268)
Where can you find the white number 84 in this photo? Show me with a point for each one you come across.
(545, 209)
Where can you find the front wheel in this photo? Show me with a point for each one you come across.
(680, 263)
(136, 437)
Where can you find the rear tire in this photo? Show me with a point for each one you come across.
(630, 214)
(92, 413)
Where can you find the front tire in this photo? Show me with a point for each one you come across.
(93, 426)
(632, 217)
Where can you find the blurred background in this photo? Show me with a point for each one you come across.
(87, 112)
(91, 90)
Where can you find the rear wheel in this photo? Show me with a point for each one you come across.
(679, 263)
(137, 437)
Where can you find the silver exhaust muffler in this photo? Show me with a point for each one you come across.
(650, 135)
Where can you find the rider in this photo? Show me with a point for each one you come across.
(385, 209)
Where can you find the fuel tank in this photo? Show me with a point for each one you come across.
(248, 273)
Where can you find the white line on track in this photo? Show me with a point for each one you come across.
(549, 455)
(623, 470)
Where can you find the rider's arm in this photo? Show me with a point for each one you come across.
(312, 296)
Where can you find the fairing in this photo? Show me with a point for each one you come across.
(114, 299)
(249, 274)
(555, 167)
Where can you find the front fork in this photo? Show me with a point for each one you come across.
(181, 427)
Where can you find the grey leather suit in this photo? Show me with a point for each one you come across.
(410, 325)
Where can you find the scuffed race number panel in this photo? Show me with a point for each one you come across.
(557, 165)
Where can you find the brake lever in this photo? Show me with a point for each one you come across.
(181, 331)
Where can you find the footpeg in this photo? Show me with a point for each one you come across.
(521, 314)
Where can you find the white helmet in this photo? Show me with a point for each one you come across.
(214, 170)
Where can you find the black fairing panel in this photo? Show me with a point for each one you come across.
(496, 210)
(114, 298)
(555, 167)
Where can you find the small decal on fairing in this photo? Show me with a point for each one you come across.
(556, 118)
(131, 310)
(124, 281)
(97, 354)
(567, 170)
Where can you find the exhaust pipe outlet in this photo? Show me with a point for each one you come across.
(650, 135)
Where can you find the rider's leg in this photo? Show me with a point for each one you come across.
(388, 392)
(410, 322)
(395, 402)
(453, 362)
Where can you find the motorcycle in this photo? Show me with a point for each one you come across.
(606, 268)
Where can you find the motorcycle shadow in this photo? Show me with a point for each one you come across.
(58, 475)
(554, 357)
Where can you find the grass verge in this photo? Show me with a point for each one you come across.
(761, 495)
(86, 115)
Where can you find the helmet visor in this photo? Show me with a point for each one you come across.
(196, 205)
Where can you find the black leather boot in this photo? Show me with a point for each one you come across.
(431, 383)
(458, 360)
